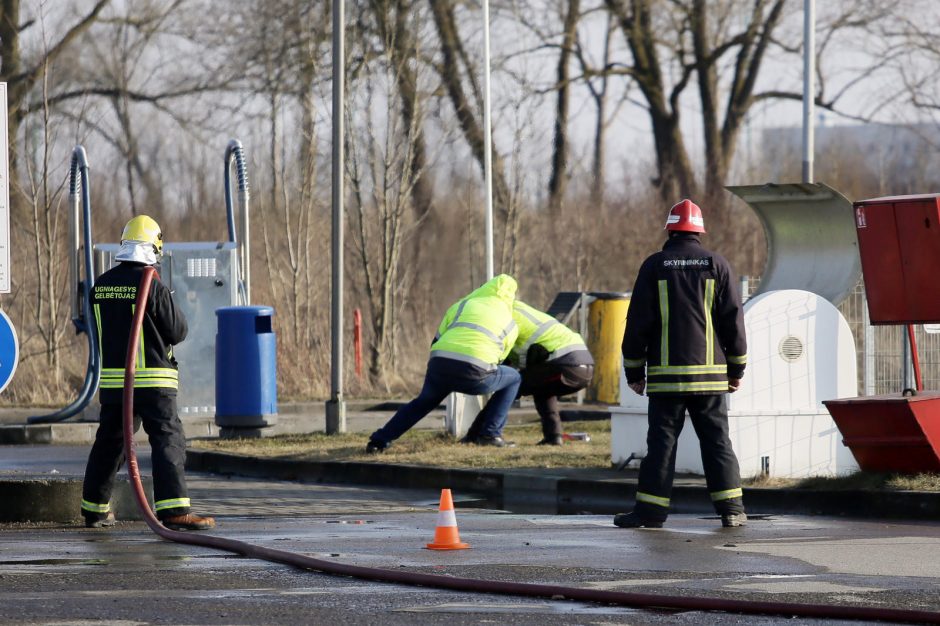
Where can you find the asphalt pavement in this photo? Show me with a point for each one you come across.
(65, 574)
(379, 515)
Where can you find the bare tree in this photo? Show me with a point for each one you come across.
(22, 75)
(382, 178)
(454, 69)
(557, 182)
(722, 48)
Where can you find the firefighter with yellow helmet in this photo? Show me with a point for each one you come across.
(155, 384)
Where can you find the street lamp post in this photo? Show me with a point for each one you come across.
(809, 89)
(336, 406)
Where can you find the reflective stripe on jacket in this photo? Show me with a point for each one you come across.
(113, 302)
(479, 329)
(536, 327)
(685, 323)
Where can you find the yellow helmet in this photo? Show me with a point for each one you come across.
(144, 228)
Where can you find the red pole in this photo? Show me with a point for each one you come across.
(357, 341)
(918, 383)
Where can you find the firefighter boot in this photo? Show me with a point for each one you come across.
(99, 522)
(188, 522)
(733, 520)
(632, 520)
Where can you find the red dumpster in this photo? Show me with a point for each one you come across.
(899, 242)
(891, 433)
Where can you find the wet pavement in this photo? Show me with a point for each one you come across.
(55, 574)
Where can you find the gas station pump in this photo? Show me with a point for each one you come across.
(81, 278)
(204, 276)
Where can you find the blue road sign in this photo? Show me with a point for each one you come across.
(9, 351)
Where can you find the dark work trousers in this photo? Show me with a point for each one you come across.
(545, 382)
(709, 414)
(167, 457)
(447, 375)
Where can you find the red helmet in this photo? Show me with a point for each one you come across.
(685, 216)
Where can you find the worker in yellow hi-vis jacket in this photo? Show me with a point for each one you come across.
(472, 341)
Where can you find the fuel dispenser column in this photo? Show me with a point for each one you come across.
(607, 319)
(245, 370)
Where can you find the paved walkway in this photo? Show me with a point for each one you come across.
(556, 490)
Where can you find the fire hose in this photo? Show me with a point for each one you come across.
(474, 585)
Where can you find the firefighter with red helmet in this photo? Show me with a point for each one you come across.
(685, 346)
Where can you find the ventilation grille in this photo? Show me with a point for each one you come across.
(200, 267)
(791, 348)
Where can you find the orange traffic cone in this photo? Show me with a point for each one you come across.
(446, 536)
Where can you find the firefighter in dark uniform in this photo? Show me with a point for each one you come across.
(155, 384)
(685, 327)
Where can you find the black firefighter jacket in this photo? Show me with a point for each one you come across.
(685, 323)
(164, 326)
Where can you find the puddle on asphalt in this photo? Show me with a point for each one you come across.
(57, 562)
(750, 518)
(553, 608)
(539, 507)
(94, 562)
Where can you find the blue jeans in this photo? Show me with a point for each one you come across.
(447, 375)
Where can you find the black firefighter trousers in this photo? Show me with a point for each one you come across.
(168, 457)
(709, 415)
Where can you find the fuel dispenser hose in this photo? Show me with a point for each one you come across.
(553, 592)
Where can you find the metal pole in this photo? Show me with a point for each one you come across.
(907, 375)
(244, 196)
(75, 201)
(487, 141)
(809, 86)
(868, 349)
(336, 407)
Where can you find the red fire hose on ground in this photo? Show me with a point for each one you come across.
(554, 592)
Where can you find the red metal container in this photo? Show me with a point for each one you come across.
(899, 243)
(891, 433)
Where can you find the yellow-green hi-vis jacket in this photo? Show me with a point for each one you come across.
(536, 327)
(479, 328)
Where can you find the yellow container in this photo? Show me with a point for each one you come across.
(607, 319)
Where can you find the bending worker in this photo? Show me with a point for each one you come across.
(474, 337)
(553, 361)
(685, 324)
(155, 384)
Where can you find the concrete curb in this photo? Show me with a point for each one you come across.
(552, 491)
(32, 498)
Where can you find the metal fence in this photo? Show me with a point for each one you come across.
(884, 364)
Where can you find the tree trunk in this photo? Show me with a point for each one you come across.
(557, 183)
(600, 125)
(675, 175)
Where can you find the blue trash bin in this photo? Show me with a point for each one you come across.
(245, 368)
